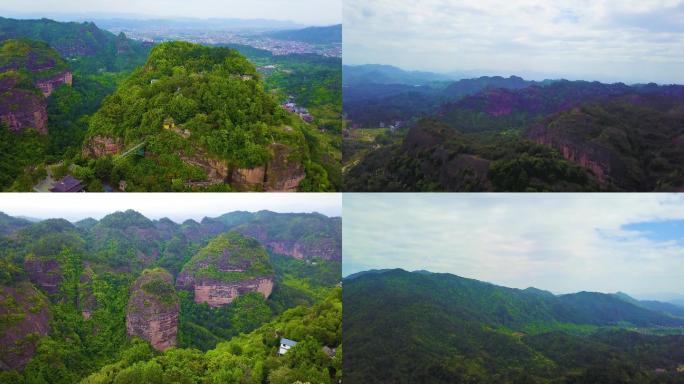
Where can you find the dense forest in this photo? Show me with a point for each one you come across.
(229, 134)
(495, 134)
(80, 300)
(405, 327)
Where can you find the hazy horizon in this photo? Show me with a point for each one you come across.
(607, 41)
(562, 243)
(301, 12)
(175, 206)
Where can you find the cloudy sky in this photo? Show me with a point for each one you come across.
(608, 40)
(559, 242)
(176, 206)
(309, 12)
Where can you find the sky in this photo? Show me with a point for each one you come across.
(607, 40)
(176, 206)
(558, 242)
(308, 12)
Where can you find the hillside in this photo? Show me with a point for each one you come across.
(203, 118)
(88, 48)
(313, 35)
(40, 119)
(77, 297)
(421, 327)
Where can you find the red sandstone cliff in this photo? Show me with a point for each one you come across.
(99, 146)
(152, 312)
(28, 317)
(48, 85)
(45, 274)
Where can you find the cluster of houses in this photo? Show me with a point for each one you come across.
(291, 106)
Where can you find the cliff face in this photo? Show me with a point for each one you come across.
(283, 173)
(217, 293)
(99, 146)
(27, 319)
(152, 312)
(47, 86)
(229, 266)
(22, 109)
(326, 248)
(44, 274)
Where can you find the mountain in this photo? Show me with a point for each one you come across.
(653, 305)
(77, 298)
(118, 22)
(87, 47)
(377, 74)
(313, 35)
(415, 327)
(29, 73)
(556, 136)
(229, 266)
(199, 116)
(9, 224)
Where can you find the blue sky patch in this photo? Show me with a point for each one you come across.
(668, 230)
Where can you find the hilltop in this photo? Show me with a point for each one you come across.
(203, 116)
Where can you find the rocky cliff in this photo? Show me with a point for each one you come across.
(48, 85)
(153, 308)
(44, 273)
(100, 146)
(21, 109)
(229, 266)
(24, 318)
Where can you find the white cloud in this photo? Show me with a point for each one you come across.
(605, 39)
(560, 242)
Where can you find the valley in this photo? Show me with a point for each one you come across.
(127, 299)
(419, 326)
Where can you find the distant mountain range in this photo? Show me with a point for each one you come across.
(408, 327)
(312, 35)
(135, 21)
(388, 74)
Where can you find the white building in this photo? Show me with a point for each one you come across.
(285, 345)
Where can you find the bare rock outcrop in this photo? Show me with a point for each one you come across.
(48, 85)
(26, 317)
(284, 172)
(44, 273)
(100, 146)
(22, 109)
(153, 308)
(229, 266)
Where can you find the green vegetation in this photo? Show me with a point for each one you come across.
(434, 157)
(419, 327)
(251, 357)
(214, 107)
(89, 271)
(245, 256)
(88, 48)
(518, 136)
